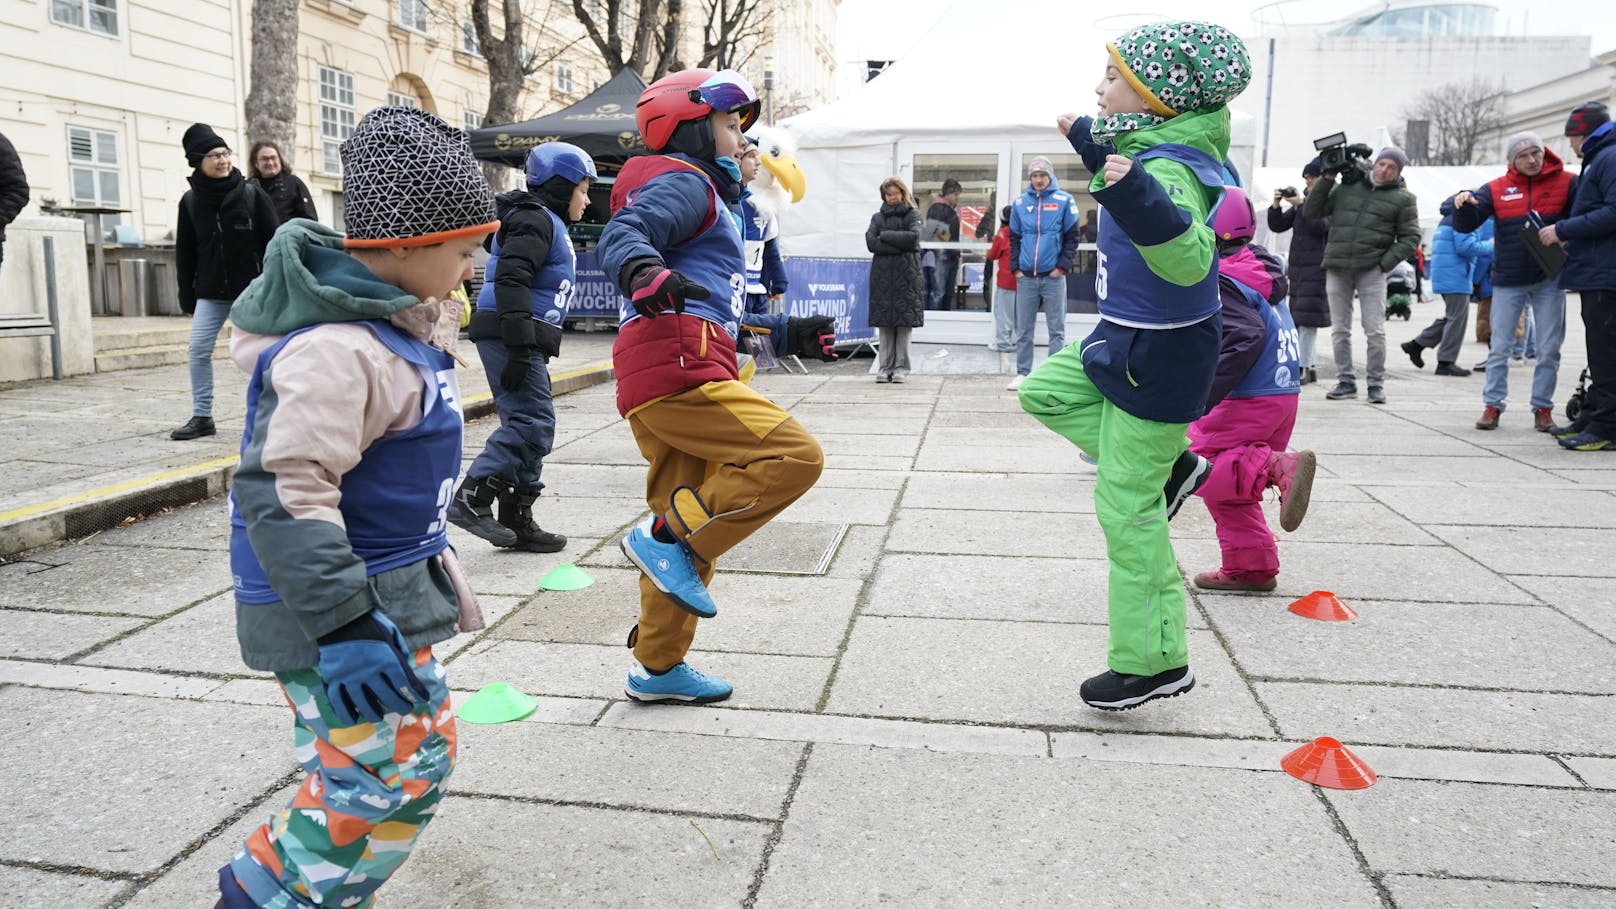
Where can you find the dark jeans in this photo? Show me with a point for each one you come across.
(947, 270)
(516, 450)
(1599, 321)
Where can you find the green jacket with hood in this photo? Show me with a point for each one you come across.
(1370, 226)
(327, 395)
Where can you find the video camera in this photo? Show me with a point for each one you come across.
(1336, 156)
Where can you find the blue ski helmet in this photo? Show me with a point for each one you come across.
(559, 159)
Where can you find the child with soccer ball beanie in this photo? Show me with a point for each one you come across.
(1126, 395)
(722, 459)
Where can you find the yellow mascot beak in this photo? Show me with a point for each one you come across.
(788, 172)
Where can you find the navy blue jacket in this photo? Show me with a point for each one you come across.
(1506, 201)
(1589, 231)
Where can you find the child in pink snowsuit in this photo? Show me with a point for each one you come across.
(1252, 408)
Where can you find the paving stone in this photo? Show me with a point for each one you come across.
(1243, 754)
(863, 443)
(1000, 587)
(1498, 506)
(598, 614)
(25, 887)
(831, 505)
(599, 766)
(150, 582)
(195, 880)
(494, 609)
(1533, 550)
(1471, 830)
(1372, 571)
(785, 546)
(1588, 600)
(52, 635)
(510, 572)
(842, 730)
(990, 830)
(979, 420)
(607, 481)
(586, 517)
(1327, 522)
(494, 854)
(1047, 662)
(869, 418)
(1441, 718)
(853, 478)
(1599, 772)
(166, 771)
(21, 481)
(202, 639)
(1422, 443)
(600, 448)
(105, 681)
(1596, 477)
(860, 548)
(590, 671)
(869, 462)
(995, 533)
(205, 525)
(1373, 468)
(1060, 457)
(969, 493)
(1413, 892)
(1459, 644)
(264, 692)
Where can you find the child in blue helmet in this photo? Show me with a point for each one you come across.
(529, 282)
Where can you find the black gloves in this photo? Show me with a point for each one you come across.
(518, 361)
(812, 336)
(656, 290)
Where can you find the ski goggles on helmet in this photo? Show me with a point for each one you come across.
(727, 91)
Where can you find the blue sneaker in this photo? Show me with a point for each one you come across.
(1587, 441)
(681, 683)
(671, 568)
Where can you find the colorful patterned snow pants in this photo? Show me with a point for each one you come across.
(370, 790)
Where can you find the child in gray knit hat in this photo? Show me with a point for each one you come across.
(344, 578)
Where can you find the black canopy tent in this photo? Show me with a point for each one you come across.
(602, 124)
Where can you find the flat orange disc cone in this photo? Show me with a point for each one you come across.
(1326, 762)
(1324, 606)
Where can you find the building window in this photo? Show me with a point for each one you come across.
(336, 116)
(468, 38)
(412, 14)
(99, 16)
(92, 165)
(563, 79)
(472, 120)
(401, 99)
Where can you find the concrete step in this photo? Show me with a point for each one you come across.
(152, 355)
(124, 339)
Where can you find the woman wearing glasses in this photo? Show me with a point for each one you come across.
(224, 227)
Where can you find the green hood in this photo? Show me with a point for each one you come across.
(308, 279)
(1206, 129)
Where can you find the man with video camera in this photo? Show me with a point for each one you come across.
(1373, 226)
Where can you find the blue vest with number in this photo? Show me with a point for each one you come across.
(1278, 370)
(554, 284)
(715, 258)
(395, 501)
(1129, 292)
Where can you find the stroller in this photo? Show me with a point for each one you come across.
(1400, 291)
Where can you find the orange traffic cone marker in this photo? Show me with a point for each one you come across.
(1326, 762)
(1324, 606)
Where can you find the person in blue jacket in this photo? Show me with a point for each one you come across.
(1454, 257)
(1044, 233)
(517, 329)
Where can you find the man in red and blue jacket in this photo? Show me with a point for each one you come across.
(1536, 186)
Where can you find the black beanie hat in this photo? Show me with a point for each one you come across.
(1313, 168)
(1587, 117)
(199, 140)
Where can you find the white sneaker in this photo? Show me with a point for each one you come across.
(1015, 383)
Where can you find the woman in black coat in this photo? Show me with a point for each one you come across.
(897, 290)
(1310, 307)
(286, 190)
(225, 224)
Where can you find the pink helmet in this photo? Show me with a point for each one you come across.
(1234, 219)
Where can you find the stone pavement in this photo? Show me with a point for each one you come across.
(906, 643)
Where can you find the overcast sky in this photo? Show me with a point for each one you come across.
(887, 29)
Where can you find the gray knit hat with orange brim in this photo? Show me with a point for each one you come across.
(409, 179)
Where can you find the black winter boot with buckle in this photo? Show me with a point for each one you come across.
(472, 510)
(516, 512)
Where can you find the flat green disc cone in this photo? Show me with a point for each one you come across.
(566, 577)
(497, 703)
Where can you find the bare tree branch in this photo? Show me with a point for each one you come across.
(732, 32)
(1457, 116)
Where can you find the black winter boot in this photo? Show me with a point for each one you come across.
(516, 512)
(472, 510)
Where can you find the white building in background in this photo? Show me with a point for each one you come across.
(803, 56)
(1359, 74)
(1543, 108)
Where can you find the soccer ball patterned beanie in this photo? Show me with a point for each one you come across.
(1176, 67)
(408, 179)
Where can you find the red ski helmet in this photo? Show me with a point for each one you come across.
(1234, 219)
(692, 94)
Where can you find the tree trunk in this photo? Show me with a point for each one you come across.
(272, 100)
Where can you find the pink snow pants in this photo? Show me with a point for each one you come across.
(1239, 437)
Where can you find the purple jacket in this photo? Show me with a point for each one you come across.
(1242, 343)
